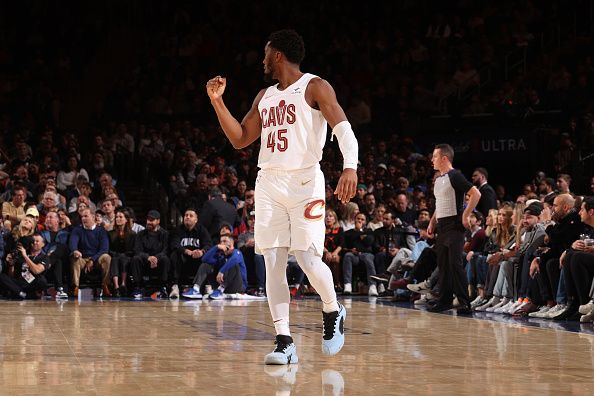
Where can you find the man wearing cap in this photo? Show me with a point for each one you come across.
(150, 254)
(188, 243)
(89, 245)
(14, 210)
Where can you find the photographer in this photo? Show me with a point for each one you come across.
(27, 265)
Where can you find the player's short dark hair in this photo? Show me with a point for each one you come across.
(290, 43)
(446, 150)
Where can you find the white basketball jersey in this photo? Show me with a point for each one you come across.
(293, 133)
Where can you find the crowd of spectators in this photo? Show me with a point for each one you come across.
(67, 187)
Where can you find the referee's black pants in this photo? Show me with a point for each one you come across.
(449, 247)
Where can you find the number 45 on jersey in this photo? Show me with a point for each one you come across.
(277, 139)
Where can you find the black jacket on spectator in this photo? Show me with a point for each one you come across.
(215, 212)
(384, 236)
(123, 244)
(360, 240)
(407, 217)
(151, 243)
(488, 199)
(196, 238)
(563, 234)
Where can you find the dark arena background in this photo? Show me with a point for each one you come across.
(103, 106)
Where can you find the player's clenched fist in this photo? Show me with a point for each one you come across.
(215, 87)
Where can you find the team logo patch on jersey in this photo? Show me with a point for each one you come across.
(314, 210)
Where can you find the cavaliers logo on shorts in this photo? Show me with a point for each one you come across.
(314, 210)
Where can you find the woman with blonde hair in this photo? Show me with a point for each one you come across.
(350, 211)
(20, 233)
(477, 261)
(504, 238)
(331, 247)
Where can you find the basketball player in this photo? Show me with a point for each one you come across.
(291, 118)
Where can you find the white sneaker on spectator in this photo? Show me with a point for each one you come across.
(456, 302)
(422, 301)
(348, 288)
(372, 291)
(504, 305)
(476, 301)
(587, 308)
(587, 318)
(422, 288)
(541, 312)
(514, 307)
(556, 311)
(501, 303)
(493, 301)
(174, 292)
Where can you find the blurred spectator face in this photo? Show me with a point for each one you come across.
(105, 180)
(241, 187)
(249, 197)
(562, 185)
(361, 192)
(18, 197)
(22, 173)
(477, 178)
(87, 219)
(49, 200)
(378, 213)
(107, 207)
(473, 221)
(424, 215)
(120, 219)
(529, 221)
(190, 219)
(592, 185)
(401, 203)
(388, 220)
(527, 189)
(225, 230)
(521, 199)
(402, 183)
(379, 184)
(52, 221)
(585, 214)
(72, 163)
(152, 224)
(113, 198)
(98, 141)
(360, 221)
(213, 182)
(560, 208)
(370, 200)
(330, 220)
(227, 241)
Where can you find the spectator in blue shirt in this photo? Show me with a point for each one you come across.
(230, 266)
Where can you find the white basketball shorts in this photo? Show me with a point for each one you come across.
(290, 209)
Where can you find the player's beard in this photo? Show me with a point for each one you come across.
(268, 78)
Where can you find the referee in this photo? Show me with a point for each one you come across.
(449, 220)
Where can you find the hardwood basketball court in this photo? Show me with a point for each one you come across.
(217, 348)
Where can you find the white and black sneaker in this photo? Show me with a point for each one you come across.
(333, 338)
(284, 353)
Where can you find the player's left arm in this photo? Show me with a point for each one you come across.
(321, 94)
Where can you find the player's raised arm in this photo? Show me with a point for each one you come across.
(323, 95)
(239, 134)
